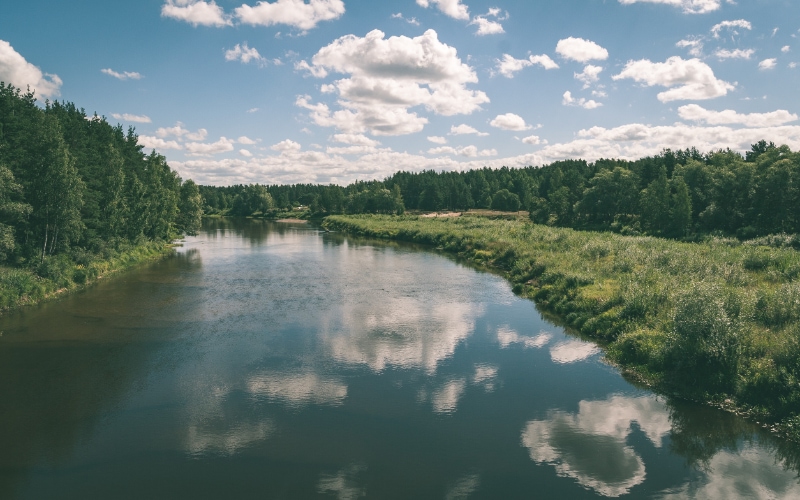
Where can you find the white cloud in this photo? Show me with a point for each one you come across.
(487, 27)
(131, 118)
(465, 129)
(180, 132)
(411, 20)
(150, 142)
(509, 65)
(253, 110)
(287, 145)
(510, 121)
(696, 113)
(692, 79)
(568, 100)
(688, 6)
(437, 139)
(767, 64)
(245, 140)
(695, 46)
(298, 390)
(244, 53)
(785, 49)
(387, 77)
(295, 13)
(453, 8)
(734, 54)
(731, 25)
(355, 140)
(196, 12)
(15, 70)
(245, 153)
(467, 151)
(589, 75)
(223, 145)
(580, 50)
(125, 75)
(533, 140)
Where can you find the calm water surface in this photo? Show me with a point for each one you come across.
(271, 360)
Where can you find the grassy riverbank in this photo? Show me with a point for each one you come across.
(56, 275)
(717, 321)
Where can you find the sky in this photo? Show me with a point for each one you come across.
(333, 91)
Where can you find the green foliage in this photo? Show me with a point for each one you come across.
(718, 319)
(506, 201)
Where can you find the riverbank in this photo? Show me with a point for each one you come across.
(58, 275)
(717, 321)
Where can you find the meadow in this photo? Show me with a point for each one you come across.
(716, 321)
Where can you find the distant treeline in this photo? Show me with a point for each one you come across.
(673, 194)
(75, 188)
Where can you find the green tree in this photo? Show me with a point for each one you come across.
(506, 201)
(190, 208)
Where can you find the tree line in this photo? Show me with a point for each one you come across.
(74, 186)
(674, 194)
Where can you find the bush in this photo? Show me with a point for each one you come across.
(703, 342)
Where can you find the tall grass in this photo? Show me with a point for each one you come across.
(717, 321)
(24, 286)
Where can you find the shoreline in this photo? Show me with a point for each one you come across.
(566, 273)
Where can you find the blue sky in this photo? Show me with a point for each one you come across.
(287, 91)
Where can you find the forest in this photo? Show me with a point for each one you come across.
(77, 192)
(676, 194)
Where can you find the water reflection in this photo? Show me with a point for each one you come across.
(590, 446)
(297, 390)
(406, 332)
(290, 359)
(573, 351)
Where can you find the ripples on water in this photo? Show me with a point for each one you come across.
(275, 361)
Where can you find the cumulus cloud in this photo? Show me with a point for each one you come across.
(768, 64)
(695, 46)
(452, 8)
(245, 54)
(687, 79)
(489, 27)
(150, 142)
(465, 129)
(437, 139)
(295, 13)
(15, 70)
(509, 65)
(533, 140)
(785, 49)
(287, 145)
(731, 26)
(467, 151)
(734, 54)
(688, 6)
(245, 153)
(355, 140)
(196, 12)
(411, 20)
(387, 77)
(223, 145)
(568, 100)
(580, 50)
(245, 140)
(510, 121)
(696, 113)
(180, 132)
(125, 75)
(131, 118)
(589, 75)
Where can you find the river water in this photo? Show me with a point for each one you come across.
(270, 360)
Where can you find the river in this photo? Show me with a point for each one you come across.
(274, 360)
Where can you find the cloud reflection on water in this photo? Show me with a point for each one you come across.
(506, 337)
(297, 390)
(573, 351)
(590, 446)
(404, 332)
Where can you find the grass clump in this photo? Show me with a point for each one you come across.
(717, 320)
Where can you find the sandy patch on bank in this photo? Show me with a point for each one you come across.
(445, 214)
